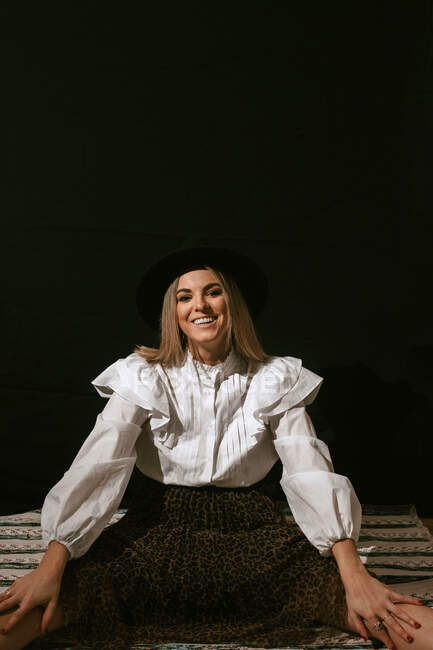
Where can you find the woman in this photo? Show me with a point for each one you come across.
(202, 554)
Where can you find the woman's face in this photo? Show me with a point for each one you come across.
(202, 310)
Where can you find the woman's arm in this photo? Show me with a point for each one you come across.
(328, 511)
(78, 507)
(367, 598)
(323, 503)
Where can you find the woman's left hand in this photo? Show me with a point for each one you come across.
(371, 601)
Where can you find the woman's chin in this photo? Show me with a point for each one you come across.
(205, 337)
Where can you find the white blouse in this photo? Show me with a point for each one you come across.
(224, 425)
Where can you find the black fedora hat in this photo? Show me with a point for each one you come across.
(194, 253)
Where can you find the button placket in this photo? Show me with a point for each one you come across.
(213, 425)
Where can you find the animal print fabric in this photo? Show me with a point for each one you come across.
(199, 565)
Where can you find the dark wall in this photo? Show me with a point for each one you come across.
(300, 132)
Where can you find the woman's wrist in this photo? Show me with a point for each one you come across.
(55, 558)
(348, 560)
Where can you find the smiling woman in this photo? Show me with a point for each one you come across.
(234, 326)
(209, 423)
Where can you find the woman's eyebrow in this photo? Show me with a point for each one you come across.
(208, 286)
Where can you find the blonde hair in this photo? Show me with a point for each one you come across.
(241, 333)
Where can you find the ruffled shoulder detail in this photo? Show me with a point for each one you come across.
(139, 382)
(281, 383)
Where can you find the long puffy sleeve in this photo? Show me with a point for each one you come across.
(323, 503)
(78, 507)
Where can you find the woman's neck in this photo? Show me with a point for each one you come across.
(209, 357)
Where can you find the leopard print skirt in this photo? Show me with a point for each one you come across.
(199, 565)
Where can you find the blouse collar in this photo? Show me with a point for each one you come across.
(209, 373)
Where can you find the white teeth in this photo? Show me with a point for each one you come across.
(199, 321)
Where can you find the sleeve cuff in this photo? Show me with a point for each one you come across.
(52, 537)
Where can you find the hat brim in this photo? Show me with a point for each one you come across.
(249, 277)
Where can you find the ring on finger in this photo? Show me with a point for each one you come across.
(378, 626)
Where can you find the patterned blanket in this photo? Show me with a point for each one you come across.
(393, 543)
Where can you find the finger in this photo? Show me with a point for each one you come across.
(400, 598)
(48, 615)
(404, 616)
(5, 594)
(390, 622)
(386, 640)
(8, 603)
(359, 625)
(383, 636)
(14, 619)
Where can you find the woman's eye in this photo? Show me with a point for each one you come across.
(214, 292)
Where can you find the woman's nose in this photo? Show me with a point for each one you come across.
(199, 302)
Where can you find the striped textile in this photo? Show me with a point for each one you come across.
(393, 543)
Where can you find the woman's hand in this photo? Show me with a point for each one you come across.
(371, 601)
(368, 599)
(39, 587)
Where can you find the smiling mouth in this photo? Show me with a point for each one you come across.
(202, 322)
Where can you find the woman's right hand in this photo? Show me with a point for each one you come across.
(40, 587)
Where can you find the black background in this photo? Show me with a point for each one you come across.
(300, 133)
